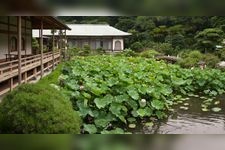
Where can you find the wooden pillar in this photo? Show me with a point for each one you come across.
(11, 79)
(25, 77)
(11, 84)
(60, 45)
(25, 37)
(112, 45)
(35, 73)
(19, 50)
(9, 46)
(41, 48)
(65, 53)
(53, 49)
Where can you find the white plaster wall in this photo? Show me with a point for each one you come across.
(118, 39)
(4, 37)
(92, 44)
(110, 45)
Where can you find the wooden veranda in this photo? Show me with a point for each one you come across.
(25, 68)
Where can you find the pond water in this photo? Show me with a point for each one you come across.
(191, 121)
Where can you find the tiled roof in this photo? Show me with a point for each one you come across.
(88, 30)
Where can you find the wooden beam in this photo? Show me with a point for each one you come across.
(12, 25)
(19, 49)
(12, 32)
(41, 48)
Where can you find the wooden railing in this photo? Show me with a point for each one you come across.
(9, 69)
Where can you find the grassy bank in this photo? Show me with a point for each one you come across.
(52, 78)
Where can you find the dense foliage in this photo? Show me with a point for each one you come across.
(110, 92)
(193, 58)
(149, 54)
(181, 32)
(209, 38)
(169, 35)
(34, 108)
(85, 51)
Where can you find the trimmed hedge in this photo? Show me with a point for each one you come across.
(35, 108)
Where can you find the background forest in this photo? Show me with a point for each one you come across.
(169, 35)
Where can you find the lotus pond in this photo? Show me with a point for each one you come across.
(139, 95)
(190, 117)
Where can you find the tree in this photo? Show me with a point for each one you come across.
(137, 46)
(160, 33)
(172, 29)
(177, 41)
(144, 24)
(125, 24)
(208, 39)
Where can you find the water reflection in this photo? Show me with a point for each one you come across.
(191, 121)
(193, 124)
(194, 120)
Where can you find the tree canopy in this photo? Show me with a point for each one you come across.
(182, 32)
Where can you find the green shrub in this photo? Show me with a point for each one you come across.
(188, 62)
(74, 51)
(85, 51)
(184, 53)
(137, 46)
(149, 53)
(190, 59)
(34, 108)
(148, 44)
(211, 60)
(127, 52)
(195, 54)
(35, 45)
(221, 54)
(98, 51)
(164, 48)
